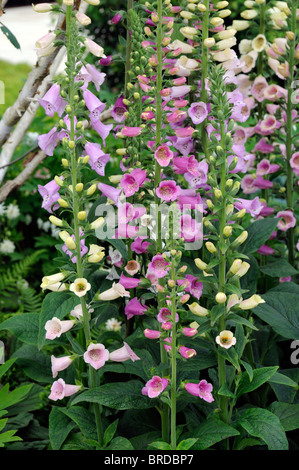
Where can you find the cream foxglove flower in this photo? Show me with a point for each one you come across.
(56, 327)
(226, 339)
(80, 286)
(116, 291)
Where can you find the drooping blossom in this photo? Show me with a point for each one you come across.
(60, 363)
(226, 339)
(154, 387)
(60, 390)
(158, 266)
(163, 155)
(123, 354)
(131, 182)
(187, 353)
(97, 158)
(168, 190)
(198, 112)
(287, 220)
(140, 245)
(134, 307)
(119, 109)
(202, 390)
(117, 290)
(165, 315)
(52, 102)
(55, 327)
(50, 195)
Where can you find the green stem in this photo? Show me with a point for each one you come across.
(222, 272)
(158, 141)
(173, 363)
(204, 74)
(130, 5)
(76, 204)
(289, 134)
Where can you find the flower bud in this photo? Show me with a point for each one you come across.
(65, 162)
(198, 310)
(235, 266)
(79, 187)
(227, 231)
(55, 221)
(220, 298)
(91, 189)
(64, 235)
(240, 239)
(209, 42)
(211, 247)
(97, 223)
(82, 215)
(70, 243)
(250, 303)
(42, 7)
(200, 264)
(58, 181)
(63, 203)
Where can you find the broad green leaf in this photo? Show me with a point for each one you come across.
(24, 326)
(279, 268)
(248, 369)
(120, 443)
(280, 311)
(210, 432)
(230, 355)
(265, 425)
(59, 427)
(34, 363)
(117, 395)
(6, 366)
(285, 393)
(83, 418)
(10, 398)
(241, 321)
(287, 413)
(186, 444)
(282, 379)
(161, 445)
(55, 304)
(3, 423)
(258, 233)
(8, 436)
(260, 376)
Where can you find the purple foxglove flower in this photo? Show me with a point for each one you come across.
(164, 315)
(123, 354)
(197, 181)
(253, 207)
(287, 220)
(194, 286)
(60, 389)
(97, 158)
(202, 390)
(128, 282)
(53, 102)
(50, 195)
(263, 147)
(154, 387)
(247, 184)
(189, 332)
(152, 334)
(168, 190)
(131, 131)
(131, 182)
(158, 266)
(190, 229)
(134, 307)
(189, 198)
(96, 355)
(187, 352)
(106, 60)
(118, 110)
(48, 142)
(110, 192)
(183, 144)
(285, 279)
(294, 162)
(265, 250)
(163, 155)
(102, 129)
(198, 112)
(140, 245)
(258, 87)
(261, 183)
(264, 167)
(116, 18)
(95, 76)
(93, 104)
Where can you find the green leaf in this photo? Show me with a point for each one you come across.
(34, 363)
(280, 311)
(230, 355)
(258, 233)
(186, 444)
(55, 304)
(8, 399)
(9, 436)
(248, 369)
(118, 395)
(241, 321)
(287, 413)
(282, 379)
(10, 36)
(109, 433)
(84, 419)
(23, 326)
(6, 366)
(225, 392)
(279, 268)
(161, 445)
(260, 376)
(210, 432)
(265, 425)
(120, 443)
(59, 427)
